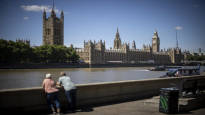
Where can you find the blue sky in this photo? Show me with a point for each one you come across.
(99, 19)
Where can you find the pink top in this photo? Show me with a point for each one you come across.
(49, 86)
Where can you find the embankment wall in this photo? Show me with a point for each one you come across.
(28, 99)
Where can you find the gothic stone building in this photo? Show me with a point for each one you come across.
(53, 29)
(96, 53)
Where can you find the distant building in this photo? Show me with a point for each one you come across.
(96, 53)
(186, 54)
(23, 41)
(200, 52)
(53, 29)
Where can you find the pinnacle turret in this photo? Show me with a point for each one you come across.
(117, 36)
(155, 34)
(53, 10)
(44, 14)
(53, 14)
(62, 15)
(133, 45)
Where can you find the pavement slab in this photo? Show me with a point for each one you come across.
(138, 107)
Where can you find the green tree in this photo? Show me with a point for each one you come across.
(196, 58)
(18, 52)
(5, 52)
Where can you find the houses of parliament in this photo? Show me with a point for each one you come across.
(96, 52)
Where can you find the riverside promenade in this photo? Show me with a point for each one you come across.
(118, 97)
(138, 107)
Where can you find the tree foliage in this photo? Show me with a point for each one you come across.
(196, 58)
(18, 52)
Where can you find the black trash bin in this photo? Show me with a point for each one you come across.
(169, 100)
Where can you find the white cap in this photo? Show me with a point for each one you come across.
(48, 75)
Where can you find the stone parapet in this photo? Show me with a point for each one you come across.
(28, 99)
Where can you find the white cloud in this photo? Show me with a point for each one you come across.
(38, 8)
(26, 18)
(178, 27)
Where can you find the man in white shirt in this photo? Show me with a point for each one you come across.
(70, 90)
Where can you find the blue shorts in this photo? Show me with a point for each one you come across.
(52, 99)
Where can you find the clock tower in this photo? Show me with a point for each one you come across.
(155, 42)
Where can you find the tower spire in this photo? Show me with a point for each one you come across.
(117, 41)
(44, 14)
(52, 11)
(117, 36)
(53, 5)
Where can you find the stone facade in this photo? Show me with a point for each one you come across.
(96, 53)
(53, 29)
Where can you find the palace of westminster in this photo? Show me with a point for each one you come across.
(96, 53)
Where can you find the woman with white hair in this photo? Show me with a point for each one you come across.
(51, 93)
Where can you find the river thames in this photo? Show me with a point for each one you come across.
(25, 78)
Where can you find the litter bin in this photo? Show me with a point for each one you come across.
(169, 100)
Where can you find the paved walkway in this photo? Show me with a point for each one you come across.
(140, 107)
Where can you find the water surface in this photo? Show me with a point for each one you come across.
(24, 78)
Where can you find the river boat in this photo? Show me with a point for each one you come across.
(184, 71)
(158, 68)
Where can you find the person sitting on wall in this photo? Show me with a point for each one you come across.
(51, 93)
(70, 90)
